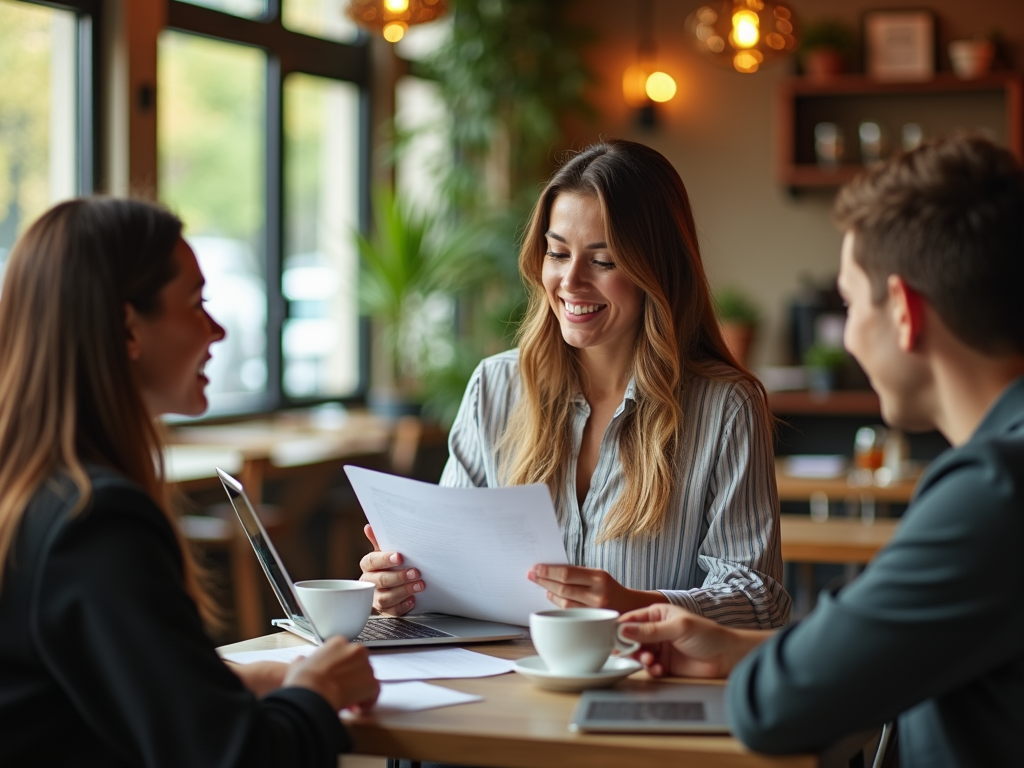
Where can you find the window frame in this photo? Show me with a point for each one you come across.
(289, 52)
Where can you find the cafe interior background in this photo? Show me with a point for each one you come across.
(280, 130)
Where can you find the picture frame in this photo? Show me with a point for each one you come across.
(899, 45)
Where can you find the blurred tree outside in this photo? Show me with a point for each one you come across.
(28, 34)
(211, 120)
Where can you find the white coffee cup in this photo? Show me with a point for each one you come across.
(336, 606)
(578, 641)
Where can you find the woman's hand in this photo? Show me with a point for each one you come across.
(394, 586)
(675, 642)
(340, 672)
(570, 586)
(262, 677)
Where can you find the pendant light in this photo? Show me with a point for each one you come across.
(643, 84)
(743, 34)
(393, 17)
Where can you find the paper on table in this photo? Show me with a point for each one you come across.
(472, 545)
(433, 664)
(284, 655)
(410, 697)
(437, 663)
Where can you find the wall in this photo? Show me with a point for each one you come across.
(719, 133)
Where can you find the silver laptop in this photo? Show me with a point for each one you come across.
(380, 631)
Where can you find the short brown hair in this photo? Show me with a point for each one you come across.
(947, 217)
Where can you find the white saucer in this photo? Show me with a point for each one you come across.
(615, 669)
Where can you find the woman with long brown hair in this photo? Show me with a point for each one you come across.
(103, 654)
(623, 398)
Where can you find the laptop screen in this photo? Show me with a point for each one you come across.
(265, 551)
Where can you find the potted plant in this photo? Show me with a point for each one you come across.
(823, 363)
(826, 49)
(412, 268)
(738, 317)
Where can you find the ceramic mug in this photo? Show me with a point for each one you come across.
(578, 641)
(336, 606)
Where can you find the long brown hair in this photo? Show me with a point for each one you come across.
(651, 232)
(67, 394)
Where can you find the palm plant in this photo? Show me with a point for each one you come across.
(413, 267)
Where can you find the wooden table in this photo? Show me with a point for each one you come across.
(835, 540)
(521, 726)
(290, 446)
(840, 488)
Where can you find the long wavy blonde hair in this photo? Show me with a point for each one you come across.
(67, 394)
(651, 233)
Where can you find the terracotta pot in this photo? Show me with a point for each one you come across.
(971, 58)
(738, 338)
(823, 63)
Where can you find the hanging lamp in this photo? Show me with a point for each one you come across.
(743, 34)
(392, 18)
(643, 84)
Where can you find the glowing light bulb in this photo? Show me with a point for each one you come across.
(660, 87)
(746, 62)
(396, 6)
(634, 85)
(393, 31)
(745, 32)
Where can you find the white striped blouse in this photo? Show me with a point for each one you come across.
(719, 554)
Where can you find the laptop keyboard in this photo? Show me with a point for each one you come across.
(385, 628)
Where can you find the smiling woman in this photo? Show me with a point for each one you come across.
(623, 398)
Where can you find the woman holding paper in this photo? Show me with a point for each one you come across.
(103, 655)
(623, 398)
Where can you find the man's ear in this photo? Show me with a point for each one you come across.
(131, 332)
(908, 313)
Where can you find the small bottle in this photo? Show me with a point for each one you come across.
(895, 453)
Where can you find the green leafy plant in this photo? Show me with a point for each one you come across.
(826, 357)
(734, 306)
(829, 33)
(412, 267)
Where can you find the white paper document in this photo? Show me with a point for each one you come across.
(410, 697)
(436, 664)
(473, 546)
(284, 655)
(432, 664)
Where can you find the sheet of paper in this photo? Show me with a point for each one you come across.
(410, 697)
(285, 655)
(399, 664)
(472, 545)
(436, 663)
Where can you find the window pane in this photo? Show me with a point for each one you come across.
(211, 140)
(420, 115)
(320, 18)
(251, 9)
(321, 341)
(38, 150)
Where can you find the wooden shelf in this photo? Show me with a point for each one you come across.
(839, 403)
(994, 103)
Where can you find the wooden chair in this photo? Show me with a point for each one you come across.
(219, 531)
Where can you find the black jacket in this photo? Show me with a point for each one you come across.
(104, 660)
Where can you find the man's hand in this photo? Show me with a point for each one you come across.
(675, 642)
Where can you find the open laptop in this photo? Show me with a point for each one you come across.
(380, 631)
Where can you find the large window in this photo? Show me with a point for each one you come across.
(212, 133)
(45, 110)
(262, 143)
